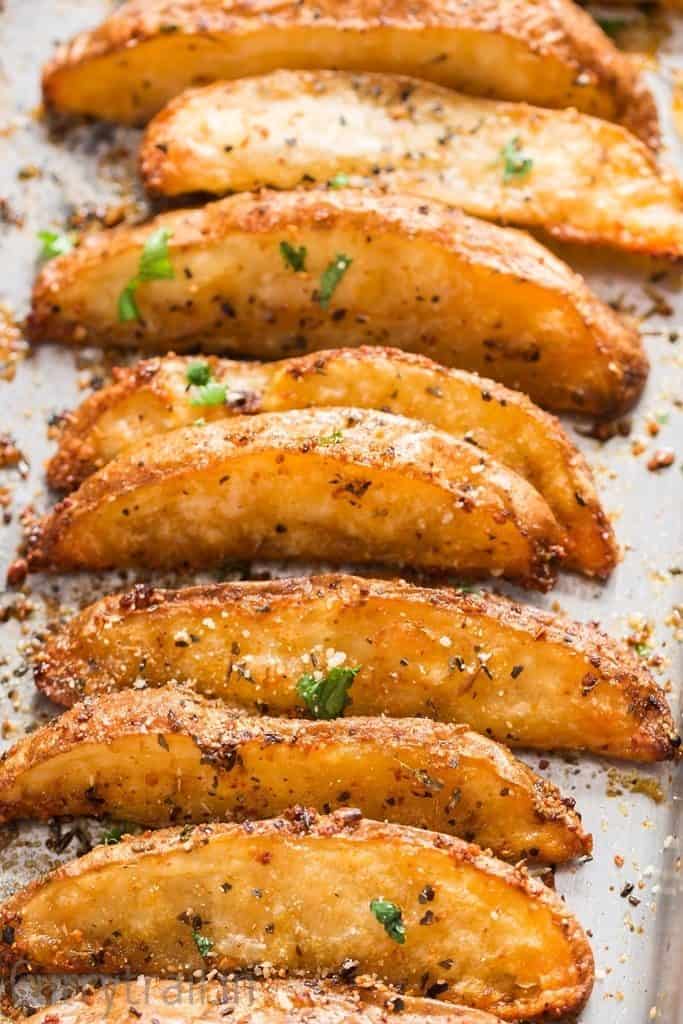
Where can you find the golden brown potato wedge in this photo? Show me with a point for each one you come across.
(163, 757)
(243, 1000)
(552, 54)
(296, 893)
(326, 484)
(515, 673)
(575, 177)
(424, 278)
(155, 396)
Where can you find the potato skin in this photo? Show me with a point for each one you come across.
(153, 397)
(424, 651)
(552, 54)
(163, 757)
(521, 315)
(589, 181)
(277, 1001)
(134, 907)
(340, 485)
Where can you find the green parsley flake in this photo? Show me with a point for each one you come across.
(198, 374)
(391, 916)
(155, 265)
(336, 437)
(54, 243)
(211, 393)
(516, 164)
(612, 26)
(293, 257)
(203, 944)
(340, 180)
(331, 276)
(327, 697)
(642, 650)
(116, 833)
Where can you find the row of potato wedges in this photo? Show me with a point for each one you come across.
(337, 692)
(408, 901)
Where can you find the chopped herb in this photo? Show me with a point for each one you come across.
(663, 418)
(155, 265)
(340, 180)
(391, 916)
(642, 650)
(54, 243)
(515, 163)
(203, 944)
(327, 697)
(611, 26)
(113, 835)
(198, 374)
(331, 276)
(466, 588)
(336, 437)
(213, 393)
(293, 257)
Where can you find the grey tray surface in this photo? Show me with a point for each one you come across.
(47, 176)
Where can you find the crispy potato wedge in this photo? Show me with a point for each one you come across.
(575, 177)
(326, 484)
(423, 277)
(295, 893)
(162, 757)
(552, 54)
(154, 397)
(515, 673)
(277, 1001)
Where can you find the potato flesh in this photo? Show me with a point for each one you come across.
(210, 766)
(154, 399)
(420, 652)
(303, 903)
(276, 1001)
(555, 57)
(328, 484)
(589, 180)
(506, 307)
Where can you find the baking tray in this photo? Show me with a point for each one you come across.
(48, 175)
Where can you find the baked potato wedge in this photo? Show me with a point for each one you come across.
(515, 673)
(552, 54)
(341, 485)
(277, 1001)
(157, 396)
(418, 909)
(422, 277)
(575, 177)
(164, 757)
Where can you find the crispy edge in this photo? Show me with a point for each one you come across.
(101, 720)
(61, 660)
(297, 998)
(556, 30)
(347, 824)
(76, 458)
(503, 250)
(173, 456)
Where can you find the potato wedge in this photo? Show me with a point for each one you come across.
(296, 893)
(277, 1001)
(155, 397)
(552, 54)
(471, 294)
(325, 484)
(162, 757)
(515, 673)
(577, 178)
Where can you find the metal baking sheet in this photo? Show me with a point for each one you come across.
(49, 176)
